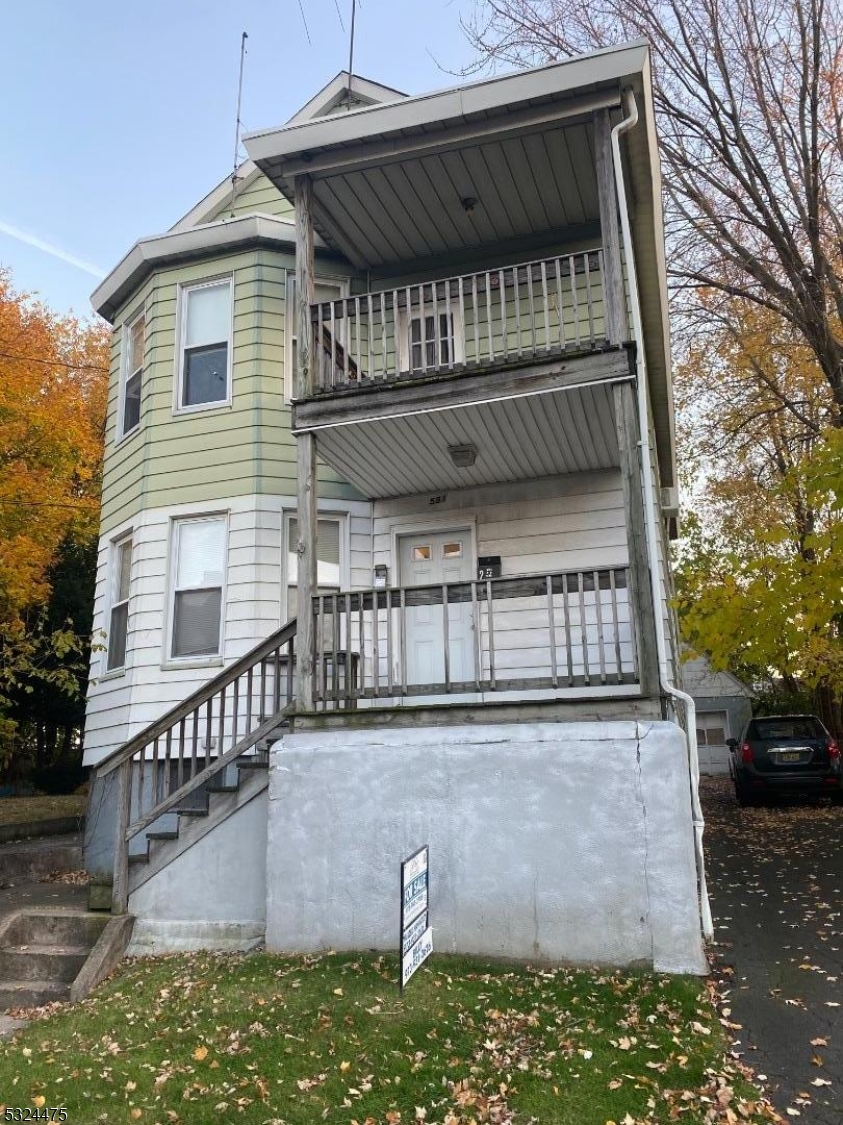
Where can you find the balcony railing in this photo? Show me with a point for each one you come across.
(566, 630)
(466, 323)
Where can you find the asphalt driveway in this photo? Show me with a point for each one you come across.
(776, 883)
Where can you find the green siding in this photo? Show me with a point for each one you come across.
(257, 195)
(241, 449)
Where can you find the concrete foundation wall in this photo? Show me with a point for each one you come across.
(553, 841)
(212, 896)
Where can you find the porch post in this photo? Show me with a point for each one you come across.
(640, 588)
(305, 446)
(617, 329)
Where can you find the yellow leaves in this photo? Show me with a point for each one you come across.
(39, 1100)
(344, 1066)
(200, 1054)
(136, 1114)
(338, 992)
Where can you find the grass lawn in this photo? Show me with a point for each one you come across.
(24, 810)
(294, 1041)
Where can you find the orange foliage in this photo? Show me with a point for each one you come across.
(53, 390)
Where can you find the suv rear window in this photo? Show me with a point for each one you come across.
(768, 730)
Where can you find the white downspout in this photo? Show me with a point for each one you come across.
(650, 510)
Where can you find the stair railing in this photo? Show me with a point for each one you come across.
(171, 758)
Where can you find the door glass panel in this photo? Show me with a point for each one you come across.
(421, 553)
(452, 551)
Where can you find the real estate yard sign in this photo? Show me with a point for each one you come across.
(416, 935)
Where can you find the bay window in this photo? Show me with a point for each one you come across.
(205, 345)
(198, 583)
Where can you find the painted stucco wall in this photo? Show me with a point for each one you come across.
(555, 841)
(213, 895)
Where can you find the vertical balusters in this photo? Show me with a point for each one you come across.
(422, 333)
(616, 625)
(560, 307)
(249, 696)
(182, 747)
(389, 642)
(361, 625)
(575, 302)
(449, 324)
(516, 296)
(566, 611)
(349, 668)
(383, 334)
(546, 307)
(335, 670)
(208, 718)
(334, 341)
(276, 682)
(531, 308)
(583, 627)
(262, 701)
(504, 326)
(599, 613)
(370, 338)
(403, 640)
(490, 321)
(446, 635)
(406, 340)
(194, 750)
(168, 753)
(478, 635)
(376, 669)
(319, 650)
(491, 614)
(551, 624)
(290, 658)
(235, 712)
(141, 772)
(588, 297)
(359, 339)
(461, 297)
(221, 725)
(319, 348)
(475, 315)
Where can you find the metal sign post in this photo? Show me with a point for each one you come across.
(416, 938)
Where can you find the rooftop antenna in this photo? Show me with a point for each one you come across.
(351, 53)
(238, 123)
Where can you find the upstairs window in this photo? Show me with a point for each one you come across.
(205, 352)
(121, 575)
(199, 559)
(130, 400)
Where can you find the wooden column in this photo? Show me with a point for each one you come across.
(617, 328)
(120, 886)
(640, 586)
(306, 447)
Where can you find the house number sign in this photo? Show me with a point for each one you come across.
(416, 943)
(488, 566)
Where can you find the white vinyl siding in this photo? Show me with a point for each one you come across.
(198, 587)
(205, 345)
(329, 559)
(118, 617)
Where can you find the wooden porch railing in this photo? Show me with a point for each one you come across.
(563, 630)
(496, 316)
(227, 718)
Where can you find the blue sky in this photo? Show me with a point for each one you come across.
(118, 118)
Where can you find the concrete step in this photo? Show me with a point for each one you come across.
(31, 993)
(61, 928)
(30, 859)
(42, 962)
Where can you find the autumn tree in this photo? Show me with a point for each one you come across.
(749, 100)
(53, 387)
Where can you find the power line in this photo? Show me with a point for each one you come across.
(54, 362)
(81, 507)
(304, 21)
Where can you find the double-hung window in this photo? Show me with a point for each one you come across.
(328, 559)
(198, 582)
(130, 400)
(205, 345)
(118, 625)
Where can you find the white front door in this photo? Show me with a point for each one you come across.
(431, 559)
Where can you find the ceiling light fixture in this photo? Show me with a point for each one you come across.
(463, 456)
(468, 203)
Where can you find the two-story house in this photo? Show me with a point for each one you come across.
(390, 473)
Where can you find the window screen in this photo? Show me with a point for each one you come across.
(197, 596)
(205, 344)
(134, 372)
(327, 560)
(121, 575)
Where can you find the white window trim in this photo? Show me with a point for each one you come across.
(110, 604)
(125, 336)
(424, 310)
(290, 315)
(344, 520)
(181, 328)
(212, 658)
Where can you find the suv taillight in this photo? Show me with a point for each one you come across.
(746, 753)
(833, 748)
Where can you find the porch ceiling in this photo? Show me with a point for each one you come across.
(564, 431)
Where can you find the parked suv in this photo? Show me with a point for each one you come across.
(785, 754)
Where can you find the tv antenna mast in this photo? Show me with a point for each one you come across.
(238, 123)
(351, 54)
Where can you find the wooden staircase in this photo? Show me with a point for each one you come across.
(201, 761)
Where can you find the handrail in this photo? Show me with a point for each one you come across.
(197, 699)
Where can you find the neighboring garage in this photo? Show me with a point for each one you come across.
(724, 705)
